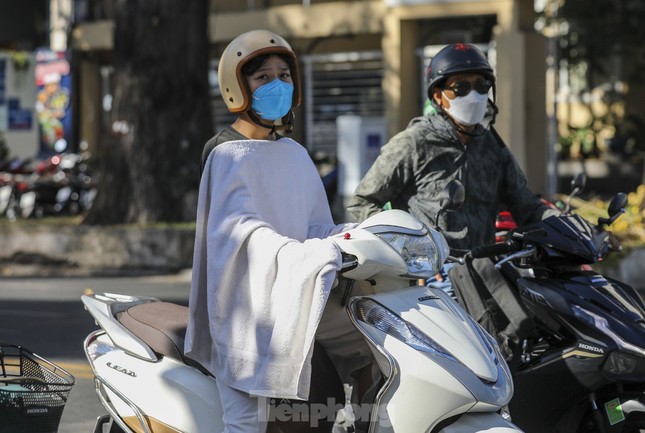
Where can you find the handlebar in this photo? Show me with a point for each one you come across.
(508, 246)
(350, 262)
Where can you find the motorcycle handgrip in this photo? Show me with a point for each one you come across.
(350, 262)
(508, 246)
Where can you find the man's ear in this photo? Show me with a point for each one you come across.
(436, 95)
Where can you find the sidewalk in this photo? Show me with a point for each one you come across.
(49, 250)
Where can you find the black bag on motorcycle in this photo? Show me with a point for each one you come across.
(484, 293)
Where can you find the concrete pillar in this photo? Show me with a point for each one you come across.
(409, 72)
(521, 83)
(61, 18)
(392, 50)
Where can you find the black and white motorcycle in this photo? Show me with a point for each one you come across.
(585, 369)
(440, 371)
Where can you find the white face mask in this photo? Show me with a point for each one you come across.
(468, 110)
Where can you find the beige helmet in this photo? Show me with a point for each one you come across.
(243, 48)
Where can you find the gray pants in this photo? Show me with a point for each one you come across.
(341, 340)
(346, 347)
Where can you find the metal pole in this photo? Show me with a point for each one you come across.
(552, 85)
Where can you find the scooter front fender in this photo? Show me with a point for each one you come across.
(488, 422)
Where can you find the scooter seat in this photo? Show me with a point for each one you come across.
(161, 325)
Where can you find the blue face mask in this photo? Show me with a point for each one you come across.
(272, 101)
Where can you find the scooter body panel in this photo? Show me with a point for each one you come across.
(444, 395)
(481, 422)
(449, 387)
(579, 362)
(444, 321)
(100, 307)
(543, 414)
(166, 391)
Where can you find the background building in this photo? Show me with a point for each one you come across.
(23, 28)
(365, 58)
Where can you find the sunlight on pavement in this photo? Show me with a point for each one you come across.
(80, 370)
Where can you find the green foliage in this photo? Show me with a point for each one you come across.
(629, 228)
(600, 43)
(600, 30)
(582, 139)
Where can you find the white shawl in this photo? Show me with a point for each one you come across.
(262, 269)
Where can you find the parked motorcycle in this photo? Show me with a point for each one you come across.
(61, 185)
(585, 370)
(14, 180)
(440, 371)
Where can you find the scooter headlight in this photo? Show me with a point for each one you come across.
(376, 315)
(423, 255)
(625, 365)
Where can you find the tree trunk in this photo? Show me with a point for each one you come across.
(160, 119)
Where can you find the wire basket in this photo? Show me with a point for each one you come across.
(33, 391)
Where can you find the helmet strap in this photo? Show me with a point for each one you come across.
(287, 122)
(255, 119)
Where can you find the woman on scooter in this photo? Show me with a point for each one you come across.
(263, 267)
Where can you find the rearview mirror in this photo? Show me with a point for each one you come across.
(617, 204)
(579, 182)
(616, 208)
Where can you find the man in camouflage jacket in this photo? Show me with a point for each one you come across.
(415, 166)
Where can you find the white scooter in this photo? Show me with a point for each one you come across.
(440, 371)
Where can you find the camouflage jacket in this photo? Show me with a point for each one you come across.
(414, 167)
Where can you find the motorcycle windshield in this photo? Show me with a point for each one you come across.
(568, 234)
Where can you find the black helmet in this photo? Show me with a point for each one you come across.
(454, 59)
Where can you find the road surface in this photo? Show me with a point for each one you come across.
(46, 316)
